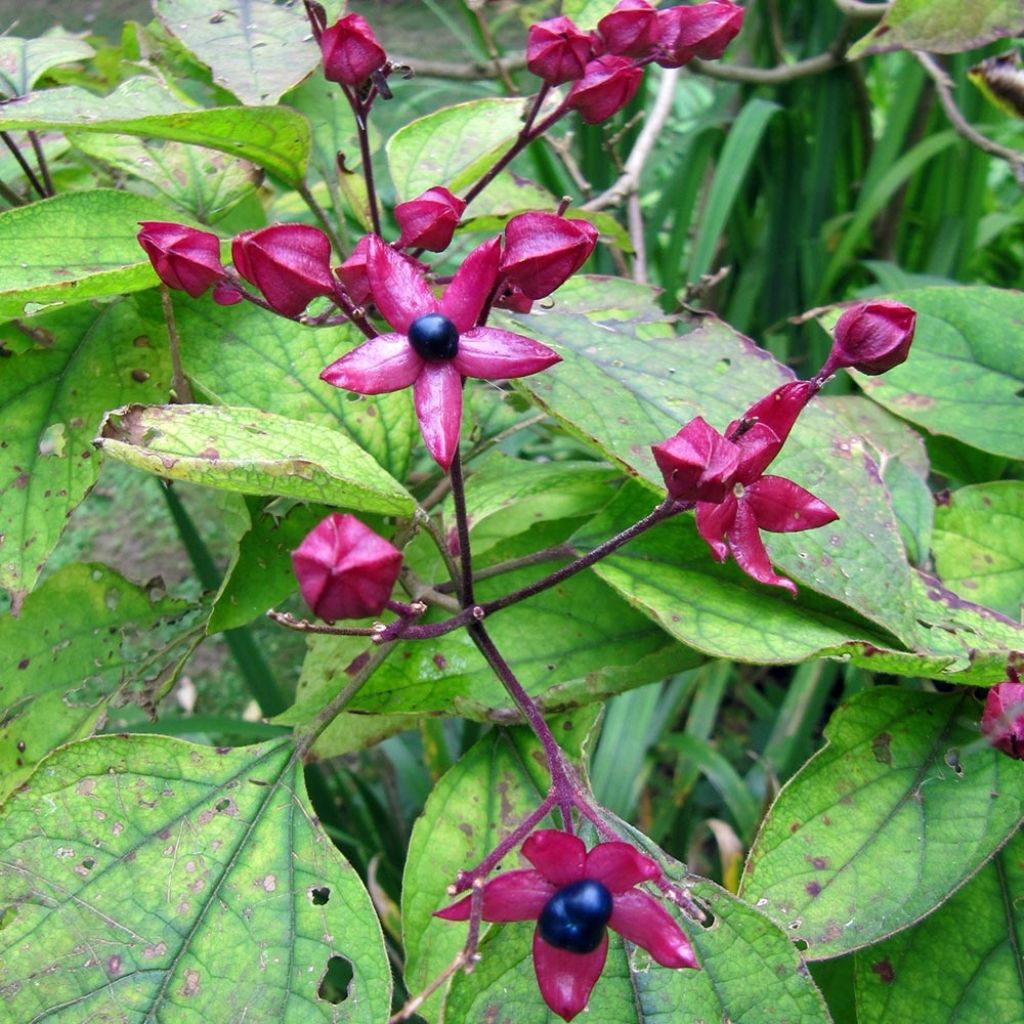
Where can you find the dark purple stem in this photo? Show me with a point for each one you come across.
(360, 111)
(23, 163)
(462, 527)
(44, 168)
(526, 135)
(475, 613)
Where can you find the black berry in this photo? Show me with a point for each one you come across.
(575, 916)
(433, 336)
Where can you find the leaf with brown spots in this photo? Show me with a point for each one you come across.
(883, 793)
(141, 878)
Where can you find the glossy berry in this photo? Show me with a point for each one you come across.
(434, 337)
(574, 918)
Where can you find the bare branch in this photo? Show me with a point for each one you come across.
(860, 9)
(960, 124)
(767, 76)
(629, 180)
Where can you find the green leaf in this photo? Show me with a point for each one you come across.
(52, 398)
(255, 50)
(621, 389)
(942, 26)
(670, 576)
(962, 963)
(965, 370)
(62, 659)
(903, 780)
(271, 363)
(261, 574)
(586, 13)
(146, 877)
(74, 247)
(204, 183)
(24, 61)
(979, 545)
(275, 138)
(452, 146)
(252, 452)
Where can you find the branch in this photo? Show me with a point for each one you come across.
(460, 71)
(944, 88)
(629, 180)
(768, 76)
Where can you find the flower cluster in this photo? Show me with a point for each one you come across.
(575, 896)
(605, 66)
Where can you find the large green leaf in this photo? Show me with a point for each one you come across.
(965, 371)
(243, 355)
(586, 13)
(24, 61)
(203, 182)
(750, 971)
(256, 49)
(960, 965)
(62, 658)
(272, 137)
(452, 146)
(621, 389)
(52, 398)
(144, 878)
(251, 452)
(902, 782)
(74, 247)
(979, 544)
(942, 26)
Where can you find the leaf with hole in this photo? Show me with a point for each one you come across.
(145, 877)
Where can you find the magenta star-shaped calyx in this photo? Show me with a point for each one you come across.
(435, 342)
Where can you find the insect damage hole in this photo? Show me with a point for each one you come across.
(334, 985)
(319, 896)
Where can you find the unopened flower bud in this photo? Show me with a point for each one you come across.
(557, 51)
(184, 258)
(702, 30)
(542, 251)
(630, 29)
(1003, 718)
(351, 52)
(698, 464)
(511, 296)
(352, 273)
(225, 293)
(429, 220)
(872, 337)
(345, 570)
(289, 263)
(608, 84)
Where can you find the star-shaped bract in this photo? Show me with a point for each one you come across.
(559, 893)
(758, 502)
(435, 342)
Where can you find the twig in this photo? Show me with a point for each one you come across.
(768, 76)
(629, 180)
(960, 124)
(10, 195)
(460, 71)
(559, 551)
(305, 626)
(180, 387)
(318, 211)
(860, 9)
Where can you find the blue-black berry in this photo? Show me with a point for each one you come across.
(574, 918)
(433, 336)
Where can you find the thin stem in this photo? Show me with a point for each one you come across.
(860, 9)
(558, 551)
(526, 135)
(462, 528)
(10, 195)
(180, 387)
(360, 112)
(23, 163)
(492, 51)
(321, 215)
(319, 628)
(44, 168)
